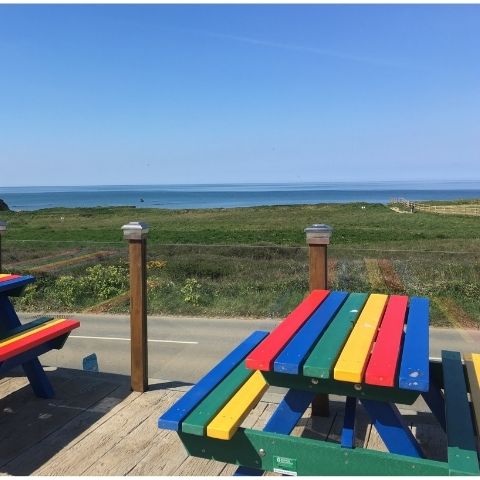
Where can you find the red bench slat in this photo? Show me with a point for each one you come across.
(383, 362)
(9, 277)
(31, 341)
(262, 357)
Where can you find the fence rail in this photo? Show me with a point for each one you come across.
(467, 209)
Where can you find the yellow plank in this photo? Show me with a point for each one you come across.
(19, 336)
(4, 275)
(225, 424)
(351, 363)
(472, 362)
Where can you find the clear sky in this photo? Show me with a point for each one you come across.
(153, 94)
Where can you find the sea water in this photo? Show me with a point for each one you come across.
(233, 195)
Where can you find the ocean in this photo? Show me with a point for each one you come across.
(233, 195)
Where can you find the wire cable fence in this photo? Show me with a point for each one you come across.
(263, 280)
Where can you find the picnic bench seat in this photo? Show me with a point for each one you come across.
(364, 347)
(22, 344)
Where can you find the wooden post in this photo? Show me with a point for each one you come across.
(136, 234)
(318, 238)
(3, 229)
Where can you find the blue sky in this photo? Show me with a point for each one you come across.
(152, 94)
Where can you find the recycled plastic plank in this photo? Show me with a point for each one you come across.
(226, 422)
(334, 387)
(283, 420)
(462, 450)
(347, 440)
(291, 358)
(321, 360)
(305, 456)
(384, 359)
(262, 357)
(25, 327)
(196, 423)
(353, 359)
(16, 285)
(414, 368)
(20, 343)
(472, 362)
(173, 417)
(4, 277)
(395, 434)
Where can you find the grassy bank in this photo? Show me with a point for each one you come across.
(245, 261)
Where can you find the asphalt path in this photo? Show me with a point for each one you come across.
(184, 348)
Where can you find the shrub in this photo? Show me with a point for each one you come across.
(191, 291)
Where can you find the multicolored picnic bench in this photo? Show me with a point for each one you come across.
(369, 348)
(23, 344)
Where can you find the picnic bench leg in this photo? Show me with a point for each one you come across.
(387, 420)
(33, 369)
(283, 420)
(434, 399)
(348, 431)
(38, 379)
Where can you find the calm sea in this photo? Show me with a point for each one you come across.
(232, 195)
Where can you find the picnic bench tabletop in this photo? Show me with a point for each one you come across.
(372, 339)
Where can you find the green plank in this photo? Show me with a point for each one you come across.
(462, 449)
(335, 387)
(304, 456)
(323, 357)
(196, 423)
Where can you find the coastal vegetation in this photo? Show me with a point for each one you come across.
(248, 262)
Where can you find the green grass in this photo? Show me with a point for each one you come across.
(280, 225)
(250, 261)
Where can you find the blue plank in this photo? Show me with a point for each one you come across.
(283, 420)
(347, 439)
(173, 417)
(414, 366)
(13, 287)
(294, 354)
(387, 420)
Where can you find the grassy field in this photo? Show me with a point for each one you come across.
(244, 261)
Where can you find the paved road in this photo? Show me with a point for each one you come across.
(184, 349)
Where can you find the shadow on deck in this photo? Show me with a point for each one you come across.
(96, 426)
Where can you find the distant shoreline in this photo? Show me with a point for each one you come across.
(180, 197)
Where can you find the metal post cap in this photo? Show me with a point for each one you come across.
(3, 227)
(319, 233)
(135, 230)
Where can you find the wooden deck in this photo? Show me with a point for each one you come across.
(97, 426)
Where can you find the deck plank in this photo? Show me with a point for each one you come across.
(100, 437)
(134, 446)
(104, 397)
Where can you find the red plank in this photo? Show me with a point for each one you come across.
(383, 362)
(262, 357)
(9, 277)
(36, 339)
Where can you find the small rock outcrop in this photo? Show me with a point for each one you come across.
(3, 206)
